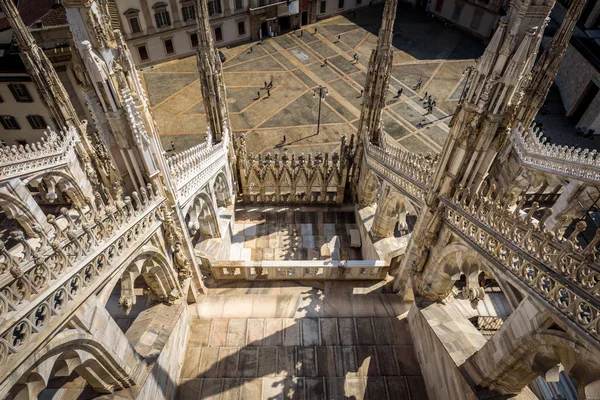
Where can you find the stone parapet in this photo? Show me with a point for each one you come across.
(534, 151)
(55, 149)
(40, 284)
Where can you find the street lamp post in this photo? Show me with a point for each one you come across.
(322, 91)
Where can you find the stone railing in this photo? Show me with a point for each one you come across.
(552, 268)
(40, 284)
(193, 168)
(54, 149)
(410, 173)
(534, 150)
(281, 270)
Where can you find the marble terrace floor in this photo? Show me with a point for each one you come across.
(293, 233)
(296, 340)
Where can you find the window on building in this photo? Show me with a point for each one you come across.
(188, 11)
(20, 92)
(214, 7)
(36, 121)
(323, 7)
(476, 21)
(161, 15)
(143, 53)
(439, 5)
(457, 10)
(239, 4)
(218, 34)
(340, 3)
(194, 39)
(241, 28)
(9, 122)
(358, 1)
(262, 3)
(169, 49)
(134, 22)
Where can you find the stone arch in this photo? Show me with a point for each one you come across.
(15, 209)
(368, 189)
(201, 218)
(285, 185)
(222, 190)
(49, 181)
(301, 185)
(391, 211)
(72, 350)
(451, 263)
(269, 184)
(540, 353)
(148, 279)
(253, 184)
(316, 185)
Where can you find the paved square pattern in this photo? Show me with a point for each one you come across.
(424, 49)
(293, 233)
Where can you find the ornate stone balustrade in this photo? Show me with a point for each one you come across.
(554, 269)
(534, 150)
(409, 173)
(193, 168)
(282, 270)
(40, 285)
(54, 148)
(312, 178)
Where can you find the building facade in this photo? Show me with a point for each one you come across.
(580, 92)
(479, 18)
(158, 31)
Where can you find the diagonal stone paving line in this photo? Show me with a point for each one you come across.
(271, 115)
(316, 79)
(460, 81)
(332, 67)
(190, 107)
(304, 144)
(244, 62)
(393, 89)
(175, 93)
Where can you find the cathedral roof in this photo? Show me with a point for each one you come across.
(39, 13)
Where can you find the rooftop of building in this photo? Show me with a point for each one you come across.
(39, 14)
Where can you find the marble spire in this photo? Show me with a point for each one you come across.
(211, 77)
(378, 77)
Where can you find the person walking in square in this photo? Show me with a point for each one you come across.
(399, 93)
(315, 31)
(258, 94)
(172, 145)
(325, 62)
(270, 84)
(268, 92)
(339, 38)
